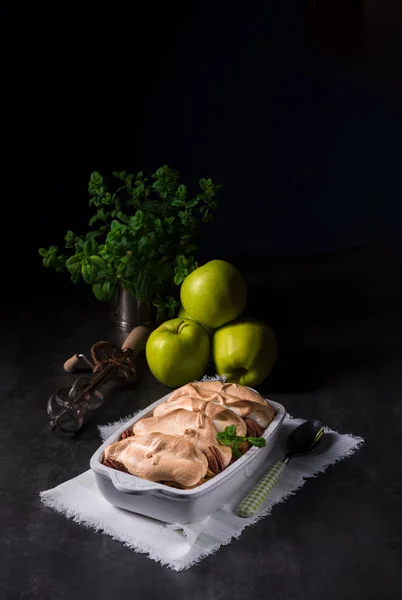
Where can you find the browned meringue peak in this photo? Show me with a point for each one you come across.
(221, 416)
(244, 402)
(197, 427)
(160, 457)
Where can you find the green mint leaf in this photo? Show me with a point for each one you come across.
(101, 214)
(115, 225)
(260, 442)
(107, 199)
(236, 452)
(120, 215)
(181, 192)
(136, 221)
(237, 439)
(76, 276)
(230, 430)
(70, 236)
(95, 183)
(99, 294)
(93, 234)
(79, 245)
(73, 263)
(92, 220)
(222, 437)
(183, 216)
(139, 190)
(108, 289)
(179, 278)
(142, 242)
(97, 261)
(119, 174)
(87, 271)
(90, 247)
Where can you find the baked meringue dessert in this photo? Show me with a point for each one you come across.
(177, 445)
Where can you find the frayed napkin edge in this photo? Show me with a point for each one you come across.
(51, 501)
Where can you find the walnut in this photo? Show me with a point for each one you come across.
(215, 461)
(114, 464)
(253, 429)
(126, 434)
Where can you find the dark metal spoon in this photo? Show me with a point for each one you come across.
(300, 441)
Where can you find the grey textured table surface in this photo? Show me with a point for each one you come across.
(339, 327)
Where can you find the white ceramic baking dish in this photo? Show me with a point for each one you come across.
(173, 505)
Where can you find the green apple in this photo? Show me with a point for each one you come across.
(245, 351)
(214, 293)
(184, 315)
(178, 351)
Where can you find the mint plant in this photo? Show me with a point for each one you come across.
(143, 236)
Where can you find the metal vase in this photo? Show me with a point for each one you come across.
(128, 312)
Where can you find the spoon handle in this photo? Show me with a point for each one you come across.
(254, 499)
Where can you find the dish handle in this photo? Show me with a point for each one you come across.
(129, 484)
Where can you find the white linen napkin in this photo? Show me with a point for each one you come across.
(181, 546)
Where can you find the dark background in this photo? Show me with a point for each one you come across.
(294, 107)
